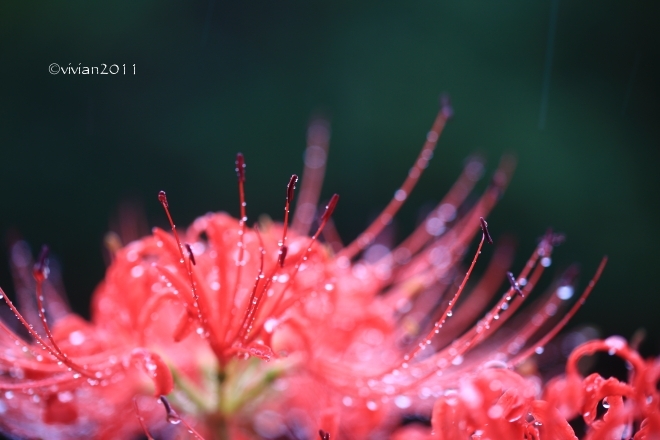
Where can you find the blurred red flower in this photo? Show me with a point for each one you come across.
(265, 332)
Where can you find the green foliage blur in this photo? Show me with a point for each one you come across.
(214, 78)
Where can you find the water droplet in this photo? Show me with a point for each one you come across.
(76, 337)
(458, 360)
(173, 419)
(565, 292)
(402, 402)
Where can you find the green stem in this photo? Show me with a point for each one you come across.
(191, 391)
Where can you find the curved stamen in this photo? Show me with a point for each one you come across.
(400, 196)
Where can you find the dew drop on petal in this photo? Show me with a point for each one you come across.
(137, 271)
(76, 337)
(402, 402)
(495, 411)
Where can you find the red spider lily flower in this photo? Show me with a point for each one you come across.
(229, 331)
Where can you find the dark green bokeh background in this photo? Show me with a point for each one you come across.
(214, 78)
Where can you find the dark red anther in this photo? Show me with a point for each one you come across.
(40, 271)
(484, 229)
(280, 259)
(172, 416)
(240, 167)
(330, 207)
(190, 254)
(324, 435)
(162, 198)
(514, 284)
(291, 187)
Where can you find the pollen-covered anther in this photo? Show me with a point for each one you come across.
(162, 198)
(190, 254)
(282, 255)
(484, 229)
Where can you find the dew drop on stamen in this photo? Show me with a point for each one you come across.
(565, 292)
(400, 195)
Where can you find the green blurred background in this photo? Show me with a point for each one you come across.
(213, 78)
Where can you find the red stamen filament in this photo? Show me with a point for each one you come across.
(276, 309)
(53, 351)
(289, 199)
(318, 138)
(141, 420)
(201, 316)
(403, 192)
(231, 300)
(448, 311)
(562, 323)
(175, 419)
(253, 304)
